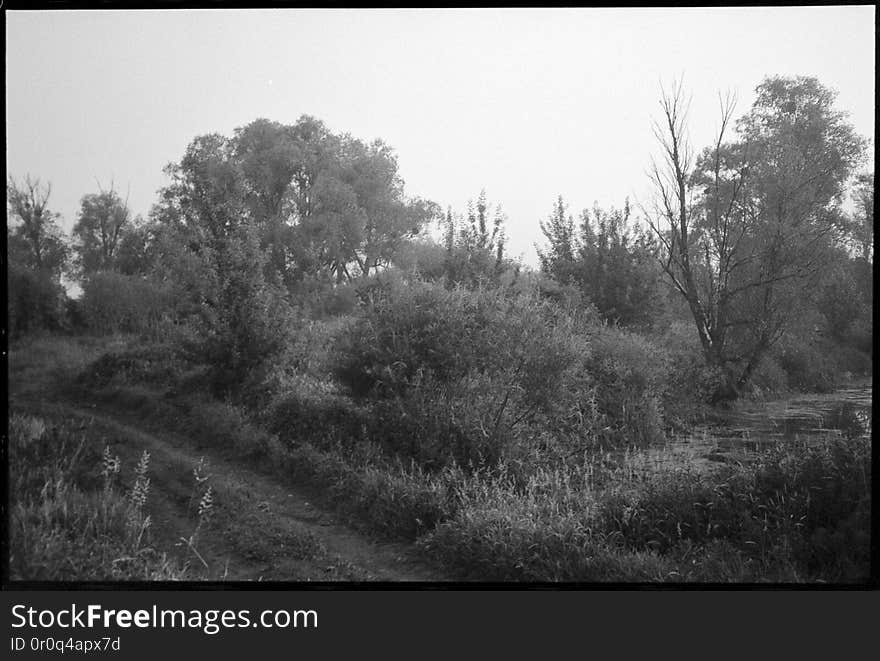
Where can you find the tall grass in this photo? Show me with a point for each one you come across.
(70, 517)
(795, 513)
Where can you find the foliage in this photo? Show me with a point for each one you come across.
(608, 259)
(323, 205)
(690, 384)
(103, 221)
(806, 504)
(35, 301)
(116, 303)
(630, 375)
(69, 518)
(457, 373)
(795, 514)
(34, 238)
(745, 227)
(242, 325)
(138, 249)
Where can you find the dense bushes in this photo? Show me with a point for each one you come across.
(808, 505)
(36, 301)
(689, 383)
(630, 375)
(156, 364)
(464, 374)
(796, 514)
(242, 317)
(116, 303)
(480, 375)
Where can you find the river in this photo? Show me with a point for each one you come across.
(733, 435)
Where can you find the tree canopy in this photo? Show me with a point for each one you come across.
(104, 219)
(744, 227)
(325, 206)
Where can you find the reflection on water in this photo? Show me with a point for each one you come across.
(845, 413)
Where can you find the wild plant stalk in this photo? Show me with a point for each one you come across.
(200, 476)
(205, 507)
(137, 523)
(109, 468)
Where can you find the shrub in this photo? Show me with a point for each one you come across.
(36, 301)
(319, 416)
(769, 378)
(243, 325)
(630, 375)
(117, 303)
(690, 383)
(385, 497)
(808, 366)
(223, 425)
(541, 531)
(797, 513)
(807, 506)
(461, 374)
(157, 364)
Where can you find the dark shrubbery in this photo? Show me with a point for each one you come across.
(242, 324)
(156, 364)
(36, 301)
(116, 303)
(796, 514)
(808, 505)
(808, 367)
(630, 374)
(474, 376)
(463, 374)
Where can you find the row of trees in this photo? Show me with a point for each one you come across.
(750, 233)
(745, 233)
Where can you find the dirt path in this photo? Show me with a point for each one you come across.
(260, 528)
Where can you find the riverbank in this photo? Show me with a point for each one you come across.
(796, 512)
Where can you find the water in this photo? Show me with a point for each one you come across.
(732, 434)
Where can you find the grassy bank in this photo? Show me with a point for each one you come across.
(796, 513)
(78, 513)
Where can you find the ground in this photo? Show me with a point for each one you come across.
(263, 527)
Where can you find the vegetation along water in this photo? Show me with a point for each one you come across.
(293, 370)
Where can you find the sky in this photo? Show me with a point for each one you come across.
(527, 104)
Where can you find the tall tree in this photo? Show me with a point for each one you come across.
(324, 206)
(744, 226)
(103, 220)
(34, 237)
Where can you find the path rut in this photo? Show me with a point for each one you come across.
(263, 528)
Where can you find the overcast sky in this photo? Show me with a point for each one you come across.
(528, 104)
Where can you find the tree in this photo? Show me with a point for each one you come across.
(744, 228)
(34, 237)
(139, 247)
(861, 228)
(104, 218)
(609, 261)
(558, 258)
(473, 252)
(37, 256)
(324, 206)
